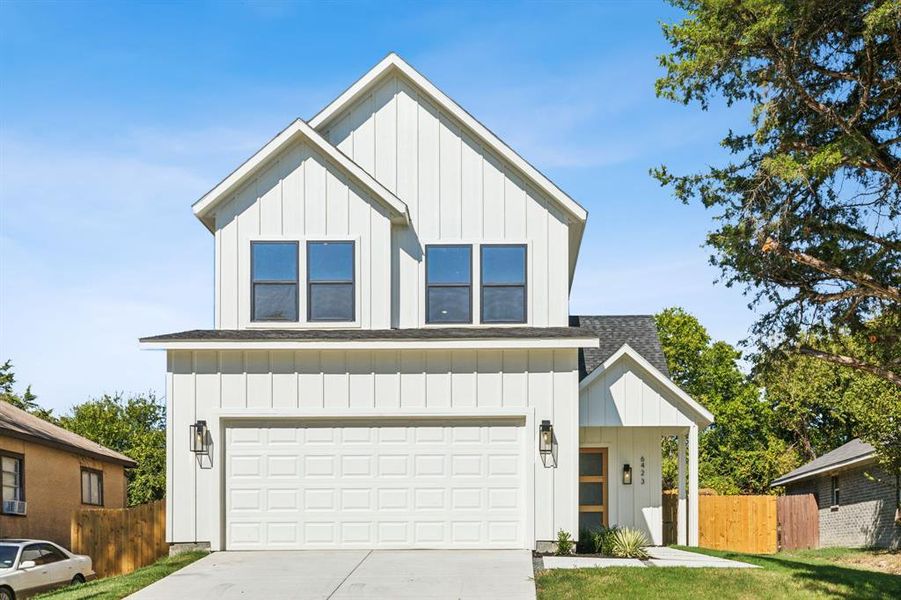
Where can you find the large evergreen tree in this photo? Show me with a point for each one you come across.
(808, 208)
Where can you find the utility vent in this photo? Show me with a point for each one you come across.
(14, 507)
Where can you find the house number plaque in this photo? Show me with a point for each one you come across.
(642, 470)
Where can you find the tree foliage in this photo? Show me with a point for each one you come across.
(134, 426)
(27, 401)
(742, 451)
(808, 208)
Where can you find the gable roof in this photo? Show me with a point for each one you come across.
(854, 452)
(683, 402)
(16, 423)
(395, 64)
(638, 331)
(204, 209)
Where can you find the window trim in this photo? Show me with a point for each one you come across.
(99, 473)
(254, 282)
(21, 459)
(524, 285)
(428, 286)
(835, 496)
(353, 281)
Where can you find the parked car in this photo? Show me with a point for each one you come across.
(28, 567)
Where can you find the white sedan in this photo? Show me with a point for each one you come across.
(28, 567)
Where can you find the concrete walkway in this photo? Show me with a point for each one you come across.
(660, 556)
(351, 574)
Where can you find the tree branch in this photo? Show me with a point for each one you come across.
(864, 280)
(848, 361)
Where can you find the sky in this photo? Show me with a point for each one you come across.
(116, 117)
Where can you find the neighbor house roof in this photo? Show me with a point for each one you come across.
(395, 64)
(638, 331)
(854, 452)
(16, 423)
(462, 336)
(204, 209)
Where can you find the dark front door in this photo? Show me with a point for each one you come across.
(593, 488)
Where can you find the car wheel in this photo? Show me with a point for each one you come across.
(7, 594)
(77, 580)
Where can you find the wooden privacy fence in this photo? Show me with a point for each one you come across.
(799, 522)
(120, 540)
(738, 523)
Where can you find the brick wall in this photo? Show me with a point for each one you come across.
(866, 512)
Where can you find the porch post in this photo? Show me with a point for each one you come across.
(682, 507)
(693, 485)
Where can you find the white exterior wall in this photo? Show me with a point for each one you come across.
(301, 196)
(457, 191)
(639, 505)
(540, 384)
(626, 395)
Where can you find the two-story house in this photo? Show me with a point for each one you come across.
(393, 363)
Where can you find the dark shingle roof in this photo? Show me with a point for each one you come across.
(17, 423)
(639, 331)
(850, 451)
(437, 333)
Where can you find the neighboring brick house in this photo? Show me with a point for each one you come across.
(857, 500)
(48, 472)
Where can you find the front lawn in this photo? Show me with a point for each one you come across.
(787, 575)
(120, 586)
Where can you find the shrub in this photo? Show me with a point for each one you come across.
(629, 543)
(596, 541)
(564, 543)
(585, 545)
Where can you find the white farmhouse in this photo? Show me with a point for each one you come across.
(393, 363)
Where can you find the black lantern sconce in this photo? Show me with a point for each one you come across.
(546, 438)
(200, 438)
(627, 475)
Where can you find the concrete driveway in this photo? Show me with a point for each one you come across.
(351, 574)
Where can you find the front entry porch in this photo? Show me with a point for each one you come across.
(621, 480)
(626, 407)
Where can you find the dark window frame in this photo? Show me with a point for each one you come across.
(353, 282)
(428, 286)
(835, 496)
(99, 474)
(254, 282)
(21, 459)
(524, 285)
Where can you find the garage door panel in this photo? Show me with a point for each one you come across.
(394, 486)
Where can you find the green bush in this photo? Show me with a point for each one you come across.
(629, 543)
(564, 543)
(596, 541)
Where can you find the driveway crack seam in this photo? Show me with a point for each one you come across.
(335, 591)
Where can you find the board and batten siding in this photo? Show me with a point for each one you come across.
(639, 505)
(300, 195)
(625, 395)
(205, 383)
(456, 190)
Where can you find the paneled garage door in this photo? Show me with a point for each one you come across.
(397, 485)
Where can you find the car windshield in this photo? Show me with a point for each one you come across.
(7, 555)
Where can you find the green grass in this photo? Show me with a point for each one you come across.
(787, 575)
(120, 586)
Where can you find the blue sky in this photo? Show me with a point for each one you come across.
(115, 117)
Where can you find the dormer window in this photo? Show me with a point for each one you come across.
(503, 270)
(330, 281)
(274, 281)
(448, 284)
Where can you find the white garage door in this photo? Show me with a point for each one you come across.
(397, 485)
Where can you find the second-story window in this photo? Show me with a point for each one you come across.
(273, 281)
(503, 283)
(448, 284)
(330, 281)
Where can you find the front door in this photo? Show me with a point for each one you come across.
(593, 488)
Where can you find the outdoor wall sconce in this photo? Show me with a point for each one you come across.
(546, 438)
(199, 443)
(627, 475)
